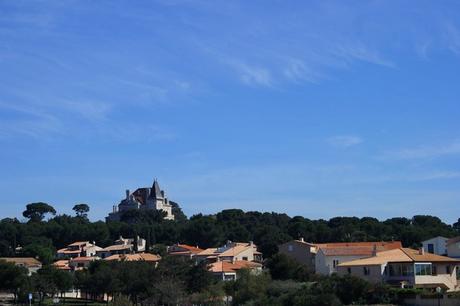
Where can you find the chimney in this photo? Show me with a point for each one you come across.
(301, 239)
(421, 251)
(374, 250)
(127, 194)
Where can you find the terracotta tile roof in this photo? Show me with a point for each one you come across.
(208, 252)
(398, 255)
(223, 266)
(62, 265)
(28, 262)
(185, 249)
(453, 240)
(233, 251)
(63, 262)
(356, 248)
(395, 255)
(228, 267)
(84, 259)
(135, 257)
(383, 244)
(79, 243)
(116, 247)
(66, 251)
(416, 256)
(192, 249)
(244, 264)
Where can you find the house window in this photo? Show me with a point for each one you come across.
(366, 271)
(245, 258)
(448, 270)
(423, 269)
(430, 248)
(407, 270)
(290, 248)
(335, 263)
(434, 270)
(349, 270)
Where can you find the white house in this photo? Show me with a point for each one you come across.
(330, 255)
(436, 245)
(405, 267)
(453, 247)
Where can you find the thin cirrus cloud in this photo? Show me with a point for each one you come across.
(423, 152)
(344, 141)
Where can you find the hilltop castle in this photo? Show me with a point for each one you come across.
(143, 198)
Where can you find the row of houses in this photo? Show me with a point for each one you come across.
(384, 262)
(225, 262)
(80, 254)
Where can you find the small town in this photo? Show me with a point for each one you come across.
(375, 270)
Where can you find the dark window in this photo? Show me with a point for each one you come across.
(448, 270)
(349, 270)
(245, 258)
(430, 248)
(335, 263)
(366, 270)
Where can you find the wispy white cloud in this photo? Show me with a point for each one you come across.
(358, 51)
(31, 122)
(251, 74)
(90, 110)
(344, 141)
(453, 37)
(431, 151)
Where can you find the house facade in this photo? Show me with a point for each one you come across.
(231, 252)
(453, 247)
(78, 249)
(301, 251)
(407, 268)
(123, 246)
(323, 258)
(146, 198)
(30, 263)
(435, 245)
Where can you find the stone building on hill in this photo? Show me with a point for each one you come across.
(146, 198)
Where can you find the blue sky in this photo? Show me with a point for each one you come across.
(313, 108)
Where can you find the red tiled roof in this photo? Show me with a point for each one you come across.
(24, 261)
(84, 259)
(356, 248)
(398, 255)
(66, 251)
(192, 249)
(135, 257)
(228, 267)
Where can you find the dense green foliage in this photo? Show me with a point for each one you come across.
(41, 238)
(13, 279)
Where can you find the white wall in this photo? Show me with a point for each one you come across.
(453, 250)
(325, 264)
(439, 245)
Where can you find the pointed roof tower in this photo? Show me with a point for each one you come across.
(156, 191)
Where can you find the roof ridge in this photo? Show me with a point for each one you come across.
(405, 251)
